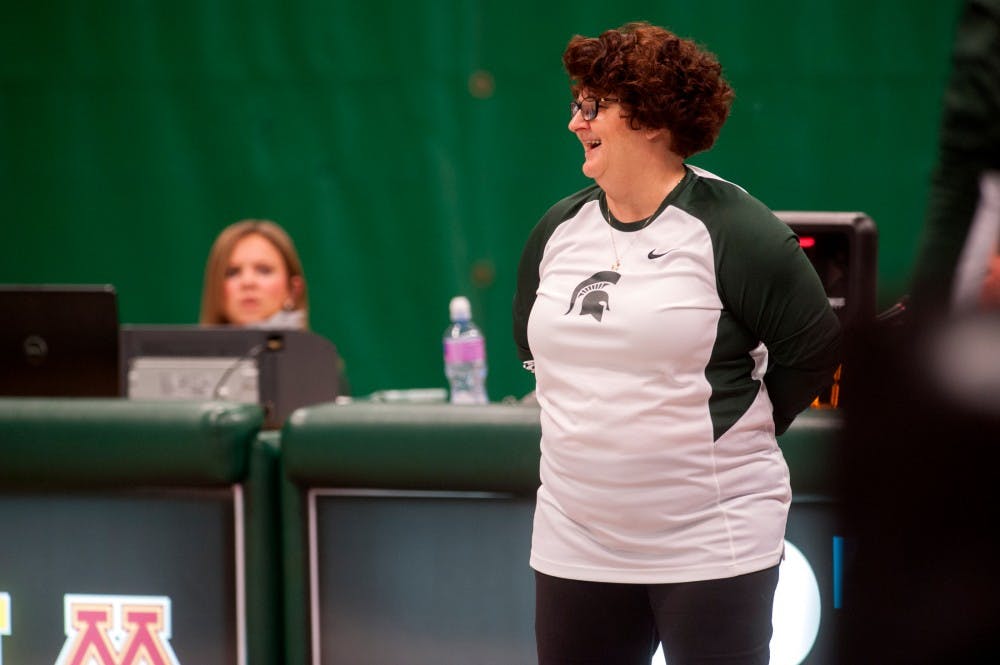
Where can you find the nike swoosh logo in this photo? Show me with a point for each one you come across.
(653, 255)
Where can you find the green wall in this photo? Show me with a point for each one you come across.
(410, 147)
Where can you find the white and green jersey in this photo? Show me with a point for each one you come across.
(663, 383)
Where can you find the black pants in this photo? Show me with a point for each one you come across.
(717, 622)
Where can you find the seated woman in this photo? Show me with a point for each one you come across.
(254, 277)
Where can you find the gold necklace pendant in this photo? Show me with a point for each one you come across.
(618, 261)
(641, 225)
(614, 246)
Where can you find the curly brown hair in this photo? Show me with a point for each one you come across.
(662, 81)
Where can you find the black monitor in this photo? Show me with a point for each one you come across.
(281, 370)
(59, 341)
(81, 558)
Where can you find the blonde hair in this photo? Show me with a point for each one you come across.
(212, 312)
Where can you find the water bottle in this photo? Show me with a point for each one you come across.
(464, 355)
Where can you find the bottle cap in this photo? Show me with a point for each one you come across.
(460, 309)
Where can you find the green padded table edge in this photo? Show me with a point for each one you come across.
(443, 447)
(70, 442)
(482, 448)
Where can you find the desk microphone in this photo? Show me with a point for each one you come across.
(273, 343)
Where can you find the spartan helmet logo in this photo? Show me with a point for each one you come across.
(595, 298)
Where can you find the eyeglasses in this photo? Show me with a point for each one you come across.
(588, 106)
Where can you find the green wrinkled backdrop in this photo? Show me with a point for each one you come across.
(410, 147)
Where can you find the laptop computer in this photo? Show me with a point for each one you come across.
(59, 341)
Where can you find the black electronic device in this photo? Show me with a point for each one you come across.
(843, 248)
(281, 370)
(59, 340)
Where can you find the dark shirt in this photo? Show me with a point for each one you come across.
(969, 144)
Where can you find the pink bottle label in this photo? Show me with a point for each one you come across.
(464, 350)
